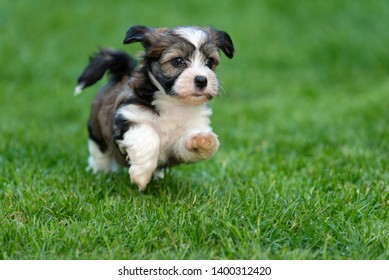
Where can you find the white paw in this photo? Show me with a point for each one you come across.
(159, 174)
(99, 161)
(140, 179)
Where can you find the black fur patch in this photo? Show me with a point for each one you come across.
(143, 87)
(142, 102)
(121, 126)
(97, 138)
(118, 63)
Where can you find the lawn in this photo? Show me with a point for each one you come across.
(303, 120)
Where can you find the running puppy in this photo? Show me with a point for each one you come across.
(157, 115)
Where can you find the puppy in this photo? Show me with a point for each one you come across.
(156, 115)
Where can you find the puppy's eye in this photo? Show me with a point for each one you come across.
(178, 62)
(210, 62)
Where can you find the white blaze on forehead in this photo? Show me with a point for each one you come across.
(194, 35)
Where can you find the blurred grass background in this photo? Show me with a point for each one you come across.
(302, 172)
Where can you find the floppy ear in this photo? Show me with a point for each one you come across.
(223, 41)
(136, 34)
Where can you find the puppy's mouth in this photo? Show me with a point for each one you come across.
(199, 94)
(195, 98)
(202, 95)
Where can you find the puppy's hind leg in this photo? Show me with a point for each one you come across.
(141, 144)
(99, 160)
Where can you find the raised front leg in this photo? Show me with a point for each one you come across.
(204, 145)
(141, 144)
(198, 146)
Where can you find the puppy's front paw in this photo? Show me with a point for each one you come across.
(203, 144)
(140, 176)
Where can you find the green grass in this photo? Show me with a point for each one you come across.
(303, 120)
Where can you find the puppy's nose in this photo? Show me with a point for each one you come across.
(200, 81)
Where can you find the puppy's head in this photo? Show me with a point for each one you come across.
(182, 60)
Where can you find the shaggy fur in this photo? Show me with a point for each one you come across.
(157, 115)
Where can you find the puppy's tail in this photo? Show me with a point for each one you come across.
(117, 63)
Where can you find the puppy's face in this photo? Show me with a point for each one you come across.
(183, 60)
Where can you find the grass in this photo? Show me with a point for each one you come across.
(303, 167)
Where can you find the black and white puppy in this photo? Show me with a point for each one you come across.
(157, 115)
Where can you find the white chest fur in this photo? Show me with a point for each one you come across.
(174, 121)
